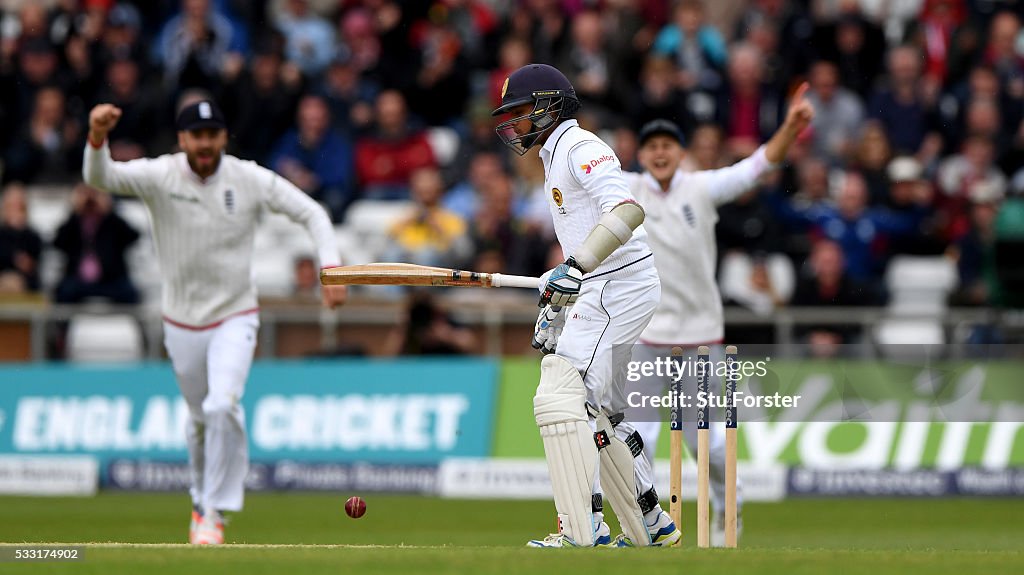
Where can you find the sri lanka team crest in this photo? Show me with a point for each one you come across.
(556, 195)
(595, 163)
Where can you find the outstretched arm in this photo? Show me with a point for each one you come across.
(727, 184)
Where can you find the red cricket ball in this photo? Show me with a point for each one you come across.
(355, 507)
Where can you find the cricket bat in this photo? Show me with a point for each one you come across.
(399, 274)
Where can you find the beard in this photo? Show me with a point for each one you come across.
(204, 164)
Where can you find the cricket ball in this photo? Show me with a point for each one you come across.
(355, 507)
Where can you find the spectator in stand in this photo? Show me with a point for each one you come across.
(315, 158)
(974, 252)
(465, 197)
(20, 245)
(499, 237)
(94, 241)
(196, 46)
(514, 54)
(476, 23)
(309, 39)
(122, 37)
(356, 29)
(838, 113)
(1003, 54)
(980, 105)
(546, 24)
(430, 235)
(764, 36)
(860, 231)
(904, 108)
(697, 48)
(140, 110)
(37, 68)
(589, 65)
(747, 109)
(47, 149)
(348, 94)
(911, 194)
(871, 158)
(747, 224)
(659, 97)
(306, 280)
(958, 173)
(260, 103)
(827, 283)
(856, 46)
(440, 91)
(933, 32)
(386, 158)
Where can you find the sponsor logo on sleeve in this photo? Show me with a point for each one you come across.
(589, 166)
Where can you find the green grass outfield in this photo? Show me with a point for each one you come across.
(298, 534)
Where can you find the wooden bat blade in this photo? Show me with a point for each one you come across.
(402, 275)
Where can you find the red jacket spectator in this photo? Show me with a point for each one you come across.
(386, 159)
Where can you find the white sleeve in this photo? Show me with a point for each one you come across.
(134, 178)
(726, 184)
(283, 197)
(598, 171)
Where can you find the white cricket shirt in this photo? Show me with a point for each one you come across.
(204, 229)
(681, 230)
(583, 179)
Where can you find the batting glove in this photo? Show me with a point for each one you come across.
(562, 286)
(549, 326)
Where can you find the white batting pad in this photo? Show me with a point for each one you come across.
(618, 479)
(560, 410)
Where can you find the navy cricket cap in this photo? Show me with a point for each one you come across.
(527, 84)
(661, 127)
(202, 114)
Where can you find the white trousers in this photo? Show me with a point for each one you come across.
(600, 331)
(651, 428)
(211, 366)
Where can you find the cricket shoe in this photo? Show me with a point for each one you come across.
(210, 530)
(197, 517)
(718, 529)
(602, 538)
(664, 533)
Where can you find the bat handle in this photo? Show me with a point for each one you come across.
(505, 280)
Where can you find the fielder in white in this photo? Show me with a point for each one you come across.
(682, 210)
(612, 286)
(204, 206)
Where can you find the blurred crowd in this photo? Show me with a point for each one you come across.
(917, 146)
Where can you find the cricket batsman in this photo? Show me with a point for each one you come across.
(593, 308)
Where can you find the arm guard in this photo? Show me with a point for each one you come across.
(612, 231)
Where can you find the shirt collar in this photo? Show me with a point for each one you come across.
(549, 144)
(654, 185)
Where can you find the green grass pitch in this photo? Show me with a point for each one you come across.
(286, 534)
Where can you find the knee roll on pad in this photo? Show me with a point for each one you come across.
(618, 479)
(559, 408)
